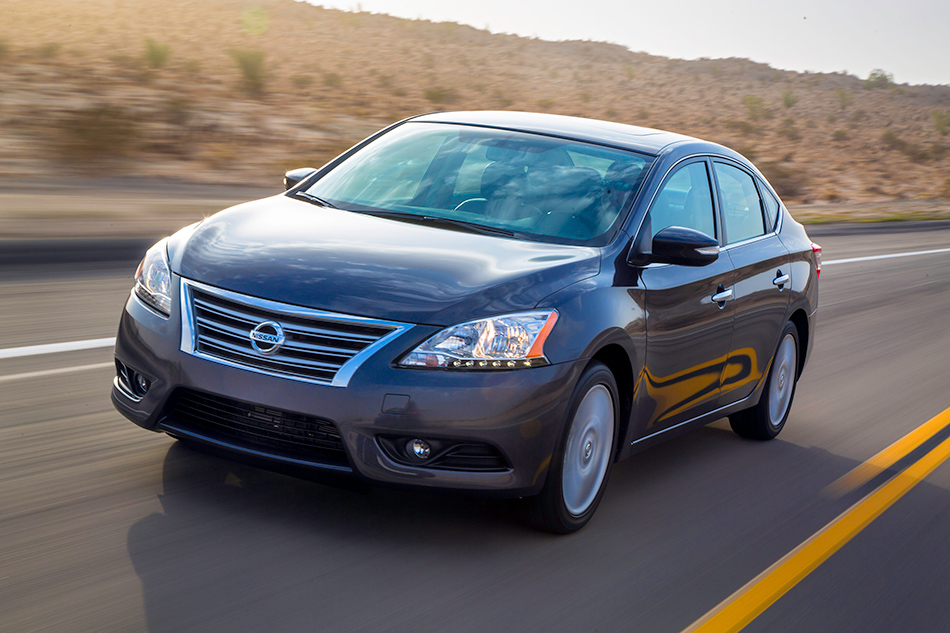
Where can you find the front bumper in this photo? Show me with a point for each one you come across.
(520, 413)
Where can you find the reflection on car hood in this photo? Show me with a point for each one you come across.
(291, 251)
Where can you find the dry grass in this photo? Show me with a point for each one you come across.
(245, 88)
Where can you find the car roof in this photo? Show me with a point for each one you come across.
(632, 137)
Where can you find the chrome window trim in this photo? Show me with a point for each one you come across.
(748, 241)
(715, 157)
(342, 376)
(759, 182)
(649, 206)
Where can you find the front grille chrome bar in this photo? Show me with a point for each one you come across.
(319, 347)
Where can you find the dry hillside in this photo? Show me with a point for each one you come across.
(236, 92)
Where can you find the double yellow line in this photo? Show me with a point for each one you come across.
(739, 609)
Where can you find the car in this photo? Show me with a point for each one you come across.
(489, 303)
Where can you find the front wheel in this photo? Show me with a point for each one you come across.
(765, 420)
(581, 463)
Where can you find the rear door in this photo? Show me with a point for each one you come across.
(688, 333)
(748, 214)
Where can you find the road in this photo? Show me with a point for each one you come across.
(106, 527)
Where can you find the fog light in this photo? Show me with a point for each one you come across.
(420, 448)
(141, 384)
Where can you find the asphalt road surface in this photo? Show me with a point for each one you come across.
(106, 527)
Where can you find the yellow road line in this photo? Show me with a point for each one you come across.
(888, 457)
(739, 609)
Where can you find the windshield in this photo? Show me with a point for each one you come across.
(531, 186)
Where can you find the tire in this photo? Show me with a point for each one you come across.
(581, 462)
(765, 420)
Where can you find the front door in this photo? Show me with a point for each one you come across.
(688, 332)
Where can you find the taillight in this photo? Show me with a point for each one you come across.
(817, 251)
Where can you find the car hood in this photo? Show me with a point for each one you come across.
(295, 252)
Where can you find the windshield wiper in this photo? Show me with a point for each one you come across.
(471, 227)
(313, 198)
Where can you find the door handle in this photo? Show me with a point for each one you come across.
(722, 296)
(780, 280)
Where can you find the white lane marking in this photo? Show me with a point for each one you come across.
(54, 348)
(53, 372)
(851, 260)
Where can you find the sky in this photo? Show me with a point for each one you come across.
(907, 38)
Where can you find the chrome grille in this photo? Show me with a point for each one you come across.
(318, 346)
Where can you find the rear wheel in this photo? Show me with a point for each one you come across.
(765, 420)
(580, 465)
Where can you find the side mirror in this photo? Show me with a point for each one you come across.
(685, 247)
(295, 176)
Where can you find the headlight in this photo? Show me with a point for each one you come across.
(153, 280)
(511, 341)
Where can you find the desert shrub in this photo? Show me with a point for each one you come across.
(192, 67)
(858, 116)
(942, 122)
(156, 54)
(440, 95)
(643, 114)
(97, 132)
(915, 153)
(585, 97)
(789, 130)
(755, 107)
(843, 97)
(840, 135)
(255, 20)
(787, 181)
(332, 80)
(627, 68)
(879, 79)
(49, 50)
(4, 49)
(545, 104)
(789, 98)
(302, 82)
(251, 64)
(743, 127)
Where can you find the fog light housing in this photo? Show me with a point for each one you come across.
(141, 384)
(419, 449)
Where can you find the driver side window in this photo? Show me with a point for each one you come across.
(685, 200)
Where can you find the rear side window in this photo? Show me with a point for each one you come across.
(741, 208)
(685, 200)
(770, 206)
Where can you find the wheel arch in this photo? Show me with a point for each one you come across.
(800, 319)
(617, 359)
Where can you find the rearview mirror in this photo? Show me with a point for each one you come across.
(686, 247)
(295, 176)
